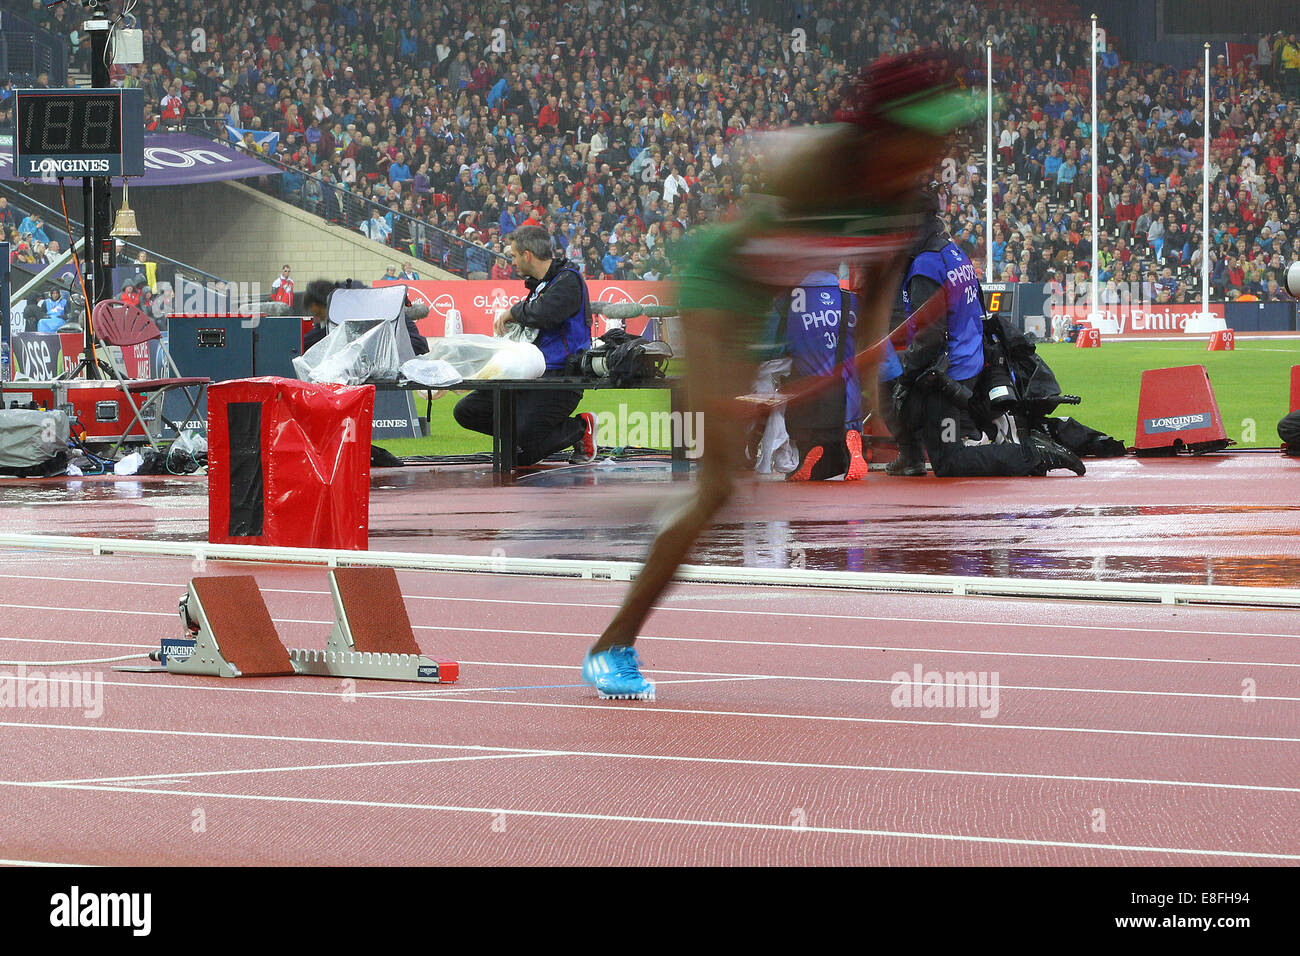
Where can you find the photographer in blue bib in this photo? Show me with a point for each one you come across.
(556, 317)
(815, 327)
(936, 375)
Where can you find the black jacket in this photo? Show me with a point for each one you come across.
(560, 297)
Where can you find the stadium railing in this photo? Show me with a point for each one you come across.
(410, 235)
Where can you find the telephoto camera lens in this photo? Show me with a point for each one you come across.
(1000, 396)
(956, 392)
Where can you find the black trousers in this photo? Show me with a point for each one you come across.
(1288, 429)
(940, 426)
(544, 420)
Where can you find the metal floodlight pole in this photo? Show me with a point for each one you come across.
(1205, 195)
(97, 192)
(1092, 283)
(988, 162)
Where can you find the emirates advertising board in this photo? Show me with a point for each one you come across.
(479, 300)
(1136, 319)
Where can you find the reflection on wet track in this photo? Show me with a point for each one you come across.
(1227, 519)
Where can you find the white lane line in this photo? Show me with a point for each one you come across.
(1177, 631)
(871, 680)
(51, 640)
(475, 629)
(181, 776)
(398, 694)
(988, 725)
(450, 699)
(671, 821)
(39, 863)
(668, 758)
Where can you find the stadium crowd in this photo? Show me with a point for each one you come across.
(614, 126)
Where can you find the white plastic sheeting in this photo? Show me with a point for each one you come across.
(485, 357)
(776, 453)
(367, 341)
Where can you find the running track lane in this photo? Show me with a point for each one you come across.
(768, 751)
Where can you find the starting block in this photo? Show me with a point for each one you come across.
(1088, 339)
(230, 630)
(229, 633)
(372, 636)
(1222, 341)
(1295, 388)
(1177, 409)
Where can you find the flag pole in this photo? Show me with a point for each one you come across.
(988, 162)
(1094, 315)
(1204, 321)
(1205, 195)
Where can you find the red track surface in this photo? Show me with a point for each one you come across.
(774, 739)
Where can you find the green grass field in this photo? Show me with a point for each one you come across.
(1252, 385)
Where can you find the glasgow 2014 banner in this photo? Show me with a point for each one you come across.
(479, 300)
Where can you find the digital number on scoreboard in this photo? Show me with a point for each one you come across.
(1000, 297)
(79, 133)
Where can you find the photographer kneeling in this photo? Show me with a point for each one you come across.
(556, 317)
(940, 369)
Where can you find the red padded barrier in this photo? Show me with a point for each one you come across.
(1178, 405)
(289, 463)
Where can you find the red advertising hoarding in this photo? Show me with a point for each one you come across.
(1149, 319)
(479, 300)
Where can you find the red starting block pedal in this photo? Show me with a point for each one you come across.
(372, 636)
(1295, 388)
(1222, 341)
(231, 629)
(1176, 410)
(1088, 339)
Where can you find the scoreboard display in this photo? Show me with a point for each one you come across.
(82, 132)
(1000, 298)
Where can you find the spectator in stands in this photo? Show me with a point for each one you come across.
(376, 227)
(478, 260)
(8, 218)
(33, 228)
(55, 309)
(681, 105)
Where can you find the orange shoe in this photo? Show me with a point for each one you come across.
(857, 463)
(805, 469)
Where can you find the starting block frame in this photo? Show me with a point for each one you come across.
(374, 659)
(357, 652)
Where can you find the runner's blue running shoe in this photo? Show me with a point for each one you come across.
(616, 674)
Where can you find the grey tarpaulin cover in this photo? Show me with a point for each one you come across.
(367, 341)
(31, 437)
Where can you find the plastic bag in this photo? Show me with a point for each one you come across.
(426, 371)
(485, 357)
(129, 465)
(776, 450)
(191, 443)
(357, 351)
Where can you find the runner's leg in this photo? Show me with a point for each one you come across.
(716, 373)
